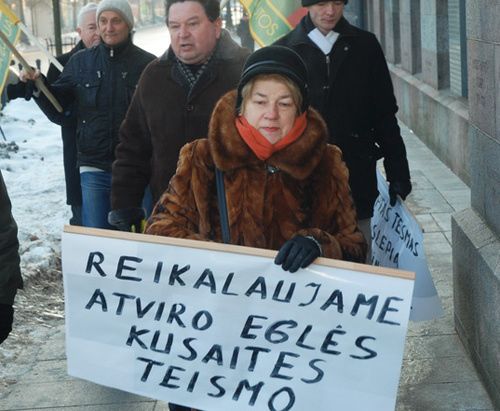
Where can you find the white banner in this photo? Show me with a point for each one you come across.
(398, 242)
(220, 327)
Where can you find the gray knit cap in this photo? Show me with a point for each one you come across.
(122, 7)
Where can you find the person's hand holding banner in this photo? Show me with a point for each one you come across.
(9, 34)
(399, 188)
(32, 76)
(397, 242)
(298, 252)
(21, 89)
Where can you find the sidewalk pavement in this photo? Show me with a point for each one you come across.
(436, 373)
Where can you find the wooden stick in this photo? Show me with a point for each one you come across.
(39, 81)
(42, 48)
(238, 249)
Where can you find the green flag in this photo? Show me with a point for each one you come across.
(271, 19)
(12, 32)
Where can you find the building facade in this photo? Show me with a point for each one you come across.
(444, 58)
(38, 15)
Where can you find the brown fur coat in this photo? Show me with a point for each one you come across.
(302, 189)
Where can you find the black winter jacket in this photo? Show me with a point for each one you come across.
(53, 72)
(68, 122)
(10, 272)
(68, 116)
(102, 80)
(352, 89)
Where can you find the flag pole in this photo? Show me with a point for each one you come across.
(15, 20)
(39, 81)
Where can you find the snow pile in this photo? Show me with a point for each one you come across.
(35, 180)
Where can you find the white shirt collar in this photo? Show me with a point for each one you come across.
(325, 43)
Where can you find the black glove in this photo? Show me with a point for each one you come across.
(130, 219)
(299, 252)
(6, 318)
(21, 89)
(401, 188)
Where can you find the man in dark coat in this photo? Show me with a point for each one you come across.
(243, 31)
(350, 85)
(172, 105)
(89, 36)
(10, 272)
(102, 81)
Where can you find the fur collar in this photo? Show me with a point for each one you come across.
(230, 151)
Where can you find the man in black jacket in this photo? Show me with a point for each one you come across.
(10, 272)
(101, 80)
(351, 87)
(89, 36)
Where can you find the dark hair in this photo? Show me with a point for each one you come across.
(211, 7)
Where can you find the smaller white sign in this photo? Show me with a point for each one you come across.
(398, 242)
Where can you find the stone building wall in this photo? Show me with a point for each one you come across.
(476, 231)
(444, 57)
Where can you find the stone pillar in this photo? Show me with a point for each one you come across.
(378, 27)
(476, 231)
(410, 36)
(354, 12)
(392, 36)
(435, 54)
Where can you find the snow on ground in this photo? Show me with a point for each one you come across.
(35, 180)
(31, 164)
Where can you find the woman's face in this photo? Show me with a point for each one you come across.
(270, 109)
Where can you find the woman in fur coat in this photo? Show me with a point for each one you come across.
(286, 188)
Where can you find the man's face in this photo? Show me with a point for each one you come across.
(326, 14)
(192, 35)
(88, 30)
(114, 29)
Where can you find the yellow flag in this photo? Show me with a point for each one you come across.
(272, 19)
(8, 25)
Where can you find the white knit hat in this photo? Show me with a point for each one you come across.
(122, 7)
(84, 10)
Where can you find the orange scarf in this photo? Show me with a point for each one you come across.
(262, 148)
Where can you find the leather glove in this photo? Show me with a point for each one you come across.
(299, 252)
(21, 89)
(6, 319)
(401, 188)
(131, 219)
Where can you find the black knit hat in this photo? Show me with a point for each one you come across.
(275, 60)
(306, 3)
